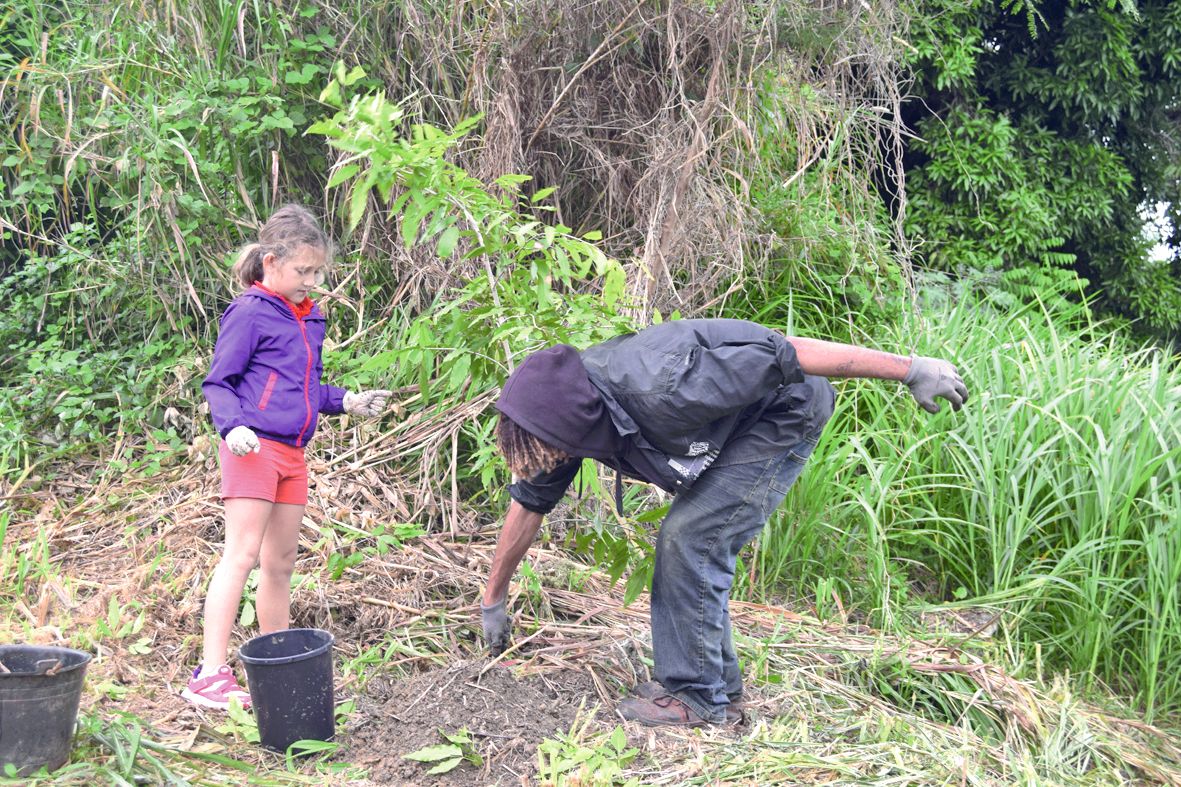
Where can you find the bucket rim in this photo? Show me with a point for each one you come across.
(86, 658)
(274, 660)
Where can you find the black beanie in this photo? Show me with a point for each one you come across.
(551, 397)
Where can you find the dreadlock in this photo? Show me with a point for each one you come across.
(526, 455)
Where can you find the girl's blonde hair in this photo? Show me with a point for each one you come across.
(288, 228)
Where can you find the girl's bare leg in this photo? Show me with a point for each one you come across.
(246, 524)
(277, 561)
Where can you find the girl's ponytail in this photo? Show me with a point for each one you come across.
(288, 228)
(248, 267)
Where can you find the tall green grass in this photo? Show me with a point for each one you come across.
(1053, 495)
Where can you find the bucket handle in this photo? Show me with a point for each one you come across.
(54, 666)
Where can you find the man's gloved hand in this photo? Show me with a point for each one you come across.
(931, 377)
(242, 440)
(496, 627)
(365, 403)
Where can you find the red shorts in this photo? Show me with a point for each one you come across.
(277, 473)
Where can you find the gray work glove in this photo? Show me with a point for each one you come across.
(496, 627)
(931, 377)
(365, 403)
(241, 440)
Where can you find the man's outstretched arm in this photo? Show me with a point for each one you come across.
(927, 378)
(520, 528)
(833, 359)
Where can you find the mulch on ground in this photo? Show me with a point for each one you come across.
(137, 552)
(505, 710)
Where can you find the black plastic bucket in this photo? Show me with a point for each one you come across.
(39, 697)
(290, 679)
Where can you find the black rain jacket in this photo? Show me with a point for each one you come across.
(682, 391)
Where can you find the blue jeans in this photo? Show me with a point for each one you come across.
(696, 553)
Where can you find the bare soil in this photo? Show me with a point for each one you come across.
(506, 710)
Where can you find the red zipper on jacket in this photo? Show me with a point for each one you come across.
(307, 378)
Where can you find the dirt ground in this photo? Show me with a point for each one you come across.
(130, 558)
(505, 709)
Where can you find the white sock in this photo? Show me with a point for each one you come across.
(207, 671)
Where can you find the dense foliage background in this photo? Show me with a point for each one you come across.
(963, 179)
(1047, 132)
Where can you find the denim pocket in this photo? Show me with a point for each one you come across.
(789, 469)
(800, 452)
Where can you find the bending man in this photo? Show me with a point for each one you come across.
(723, 414)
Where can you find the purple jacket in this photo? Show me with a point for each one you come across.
(266, 370)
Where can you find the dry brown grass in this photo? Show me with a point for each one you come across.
(640, 113)
(151, 542)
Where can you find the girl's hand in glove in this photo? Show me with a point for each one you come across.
(242, 440)
(366, 403)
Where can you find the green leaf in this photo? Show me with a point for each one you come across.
(331, 95)
(563, 261)
(459, 737)
(614, 285)
(326, 127)
(306, 747)
(239, 715)
(303, 76)
(512, 182)
(543, 193)
(342, 174)
(446, 765)
(442, 751)
(279, 120)
(356, 74)
(447, 241)
(359, 200)
(653, 514)
(466, 125)
(603, 264)
(618, 739)
(459, 372)
(637, 582)
(426, 366)
(411, 220)
(618, 554)
(593, 235)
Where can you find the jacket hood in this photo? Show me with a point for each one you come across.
(308, 309)
(550, 396)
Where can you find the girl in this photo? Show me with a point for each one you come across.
(264, 391)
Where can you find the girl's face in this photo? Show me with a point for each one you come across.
(296, 275)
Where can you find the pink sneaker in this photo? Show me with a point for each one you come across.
(215, 691)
